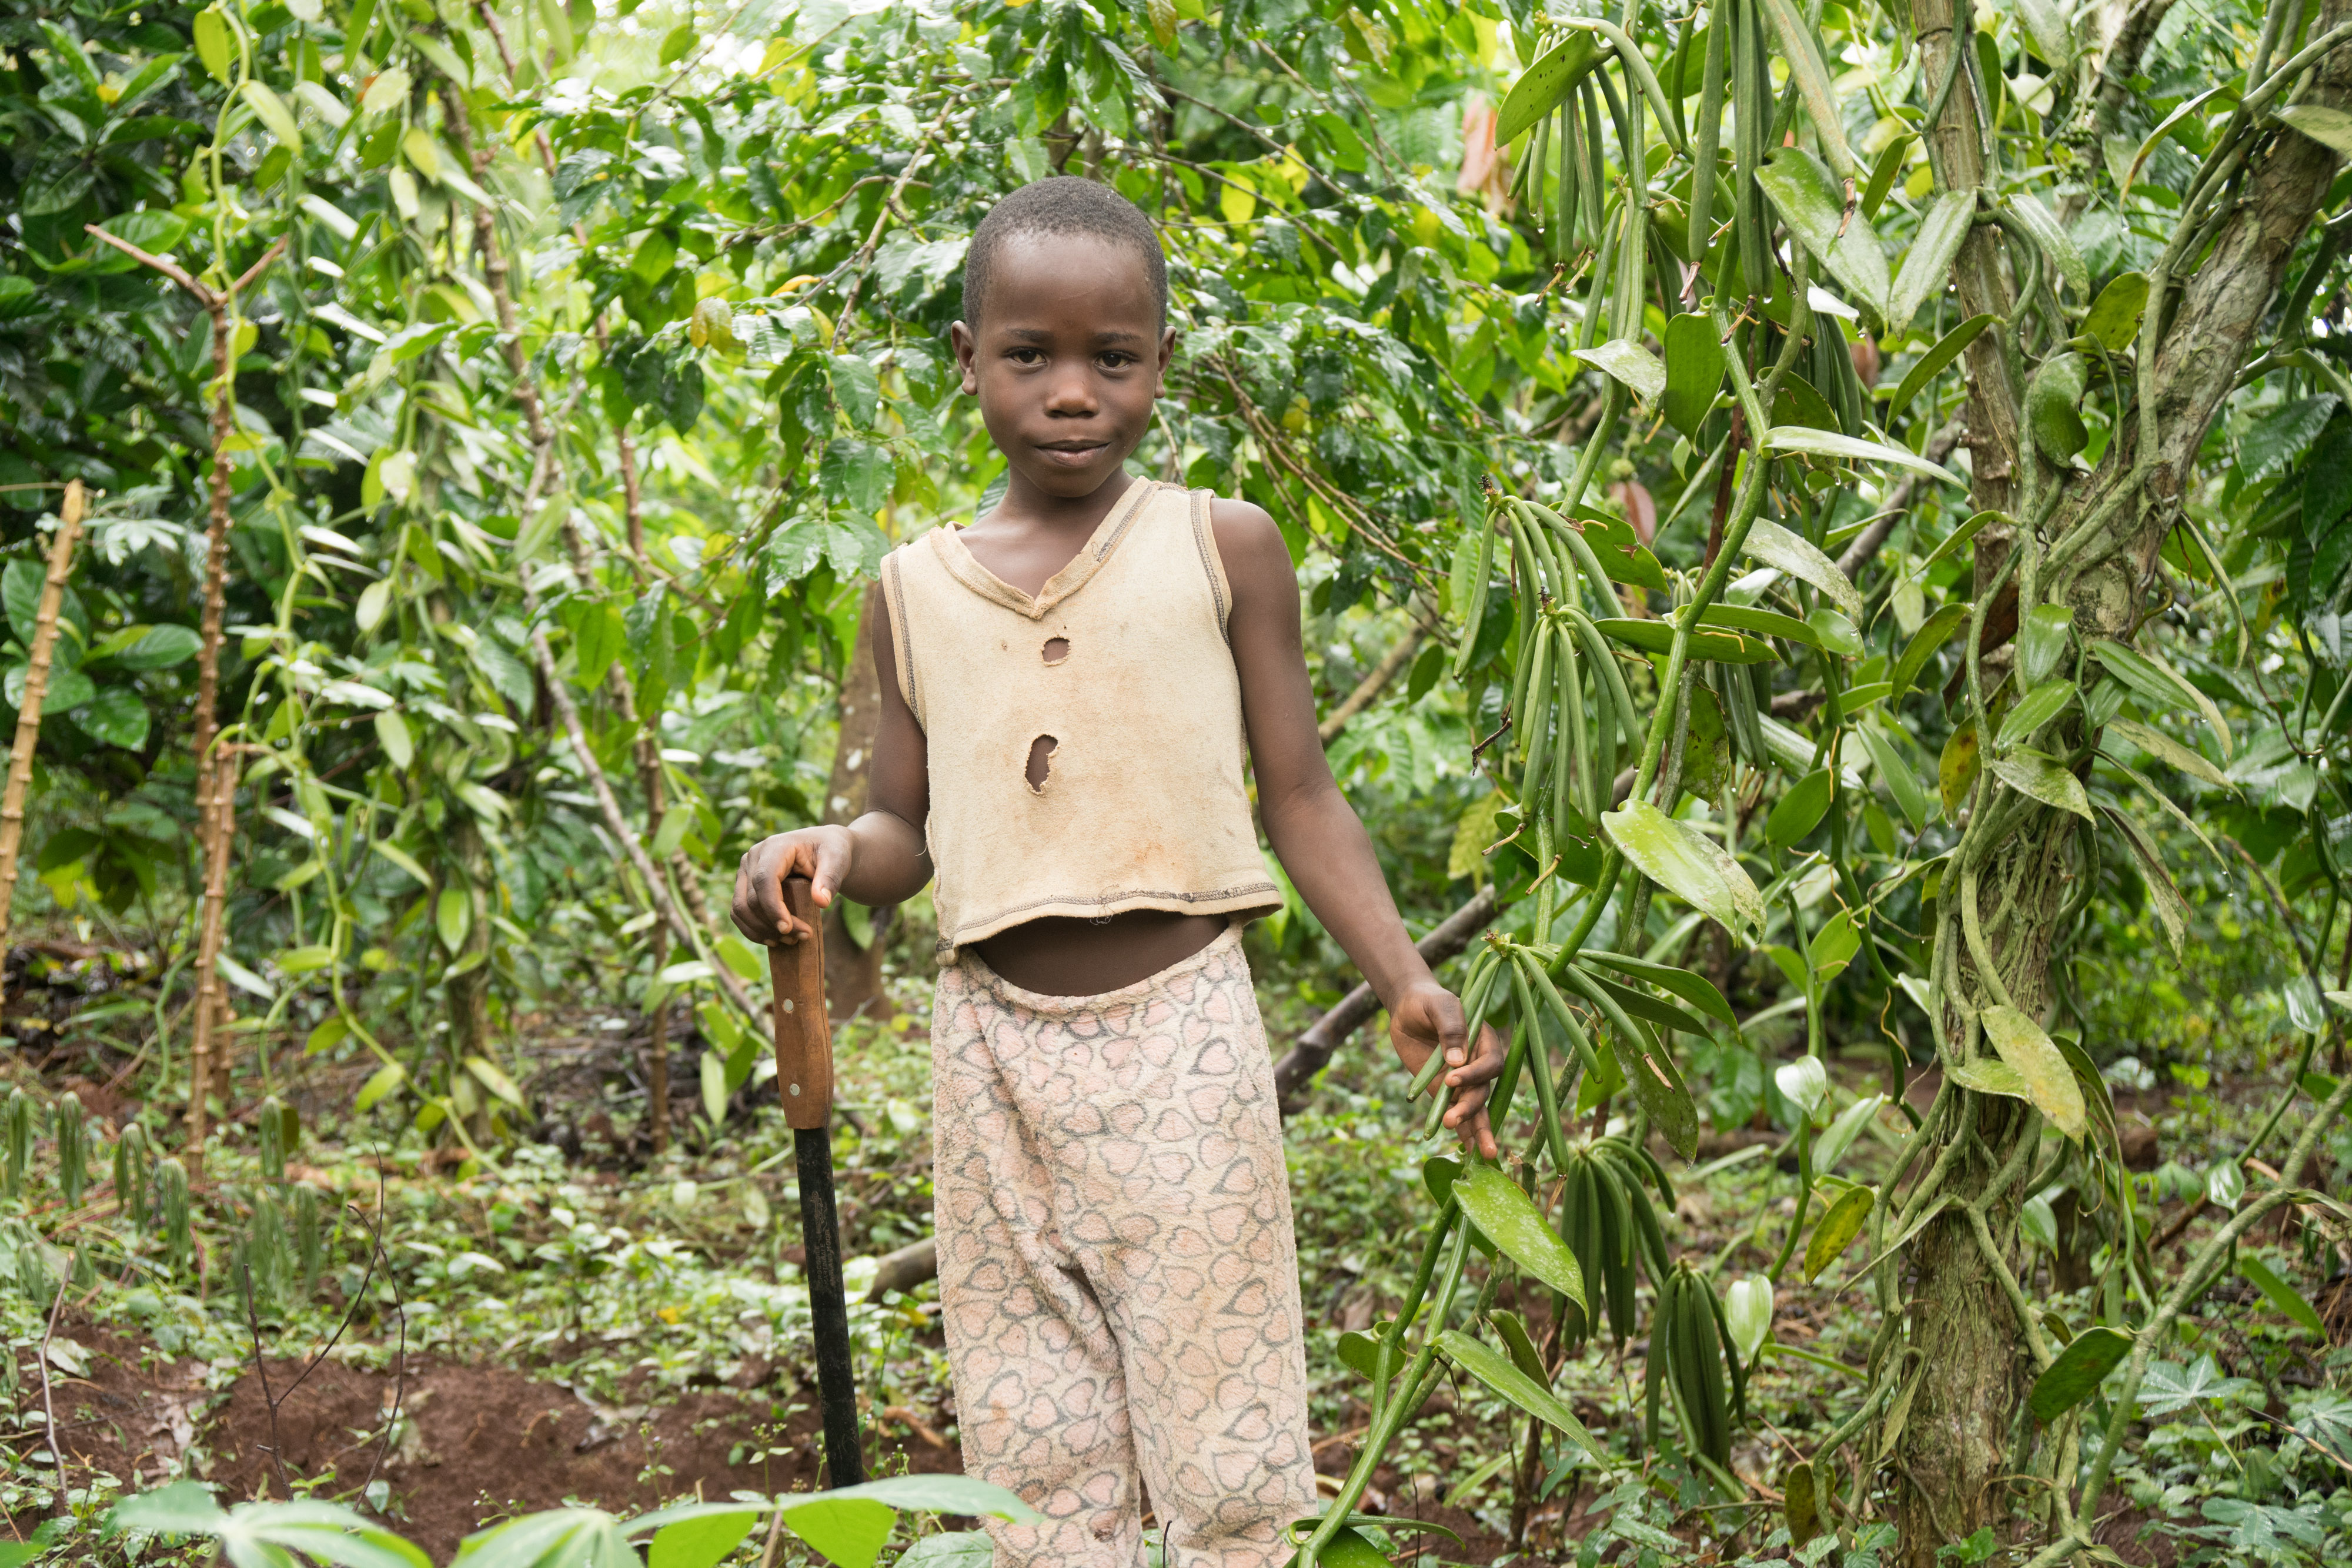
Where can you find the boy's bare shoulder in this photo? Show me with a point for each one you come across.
(1250, 543)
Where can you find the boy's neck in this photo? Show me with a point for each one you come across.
(1034, 534)
(1029, 508)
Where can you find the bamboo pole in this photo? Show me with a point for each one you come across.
(28, 709)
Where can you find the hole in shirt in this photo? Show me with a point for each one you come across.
(1056, 650)
(1041, 759)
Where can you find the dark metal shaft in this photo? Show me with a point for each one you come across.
(844, 1455)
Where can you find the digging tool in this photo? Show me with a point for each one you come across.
(804, 1080)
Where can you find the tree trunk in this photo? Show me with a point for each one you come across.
(215, 781)
(853, 973)
(1953, 1455)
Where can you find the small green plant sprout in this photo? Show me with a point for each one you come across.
(171, 1203)
(277, 1125)
(130, 1160)
(17, 1124)
(72, 1132)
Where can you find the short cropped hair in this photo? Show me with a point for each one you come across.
(1062, 205)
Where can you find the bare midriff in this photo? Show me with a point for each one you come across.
(1065, 958)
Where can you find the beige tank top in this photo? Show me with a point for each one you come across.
(1122, 660)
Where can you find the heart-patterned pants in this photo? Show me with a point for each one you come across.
(1116, 1269)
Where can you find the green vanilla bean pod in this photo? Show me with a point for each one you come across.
(1596, 183)
(1477, 617)
(1601, 291)
(1710, 138)
(130, 1157)
(1663, 1323)
(264, 1249)
(1563, 215)
(1570, 749)
(72, 1134)
(1751, 112)
(1532, 721)
(1532, 171)
(1730, 1352)
(1539, 1065)
(270, 1121)
(171, 1205)
(1575, 1230)
(1474, 995)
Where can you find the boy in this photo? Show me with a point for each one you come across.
(1067, 687)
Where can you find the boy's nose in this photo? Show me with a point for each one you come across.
(1071, 393)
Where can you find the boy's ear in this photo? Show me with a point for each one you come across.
(967, 353)
(1167, 357)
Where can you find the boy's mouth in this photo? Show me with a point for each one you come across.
(1072, 454)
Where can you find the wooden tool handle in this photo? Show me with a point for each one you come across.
(803, 1033)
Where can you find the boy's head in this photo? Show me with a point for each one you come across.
(1066, 335)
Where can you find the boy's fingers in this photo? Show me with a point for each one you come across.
(1486, 1067)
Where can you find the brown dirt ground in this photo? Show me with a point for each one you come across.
(476, 1444)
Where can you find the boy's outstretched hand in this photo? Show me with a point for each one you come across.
(1427, 1017)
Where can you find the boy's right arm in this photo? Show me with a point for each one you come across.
(878, 859)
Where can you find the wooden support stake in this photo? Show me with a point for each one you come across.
(28, 708)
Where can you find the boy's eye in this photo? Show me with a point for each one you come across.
(1115, 360)
(1025, 356)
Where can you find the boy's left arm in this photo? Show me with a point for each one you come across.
(1317, 833)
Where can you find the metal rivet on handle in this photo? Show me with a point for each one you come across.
(796, 1089)
(788, 1004)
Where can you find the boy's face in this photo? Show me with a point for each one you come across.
(1069, 360)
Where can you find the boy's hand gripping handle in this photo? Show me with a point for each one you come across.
(803, 1032)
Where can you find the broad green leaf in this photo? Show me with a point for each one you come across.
(1775, 546)
(1895, 771)
(1837, 1230)
(2036, 709)
(2331, 128)
(1640, 1004)
(1695, 365)
(2302, 1008)
(2044, 778)
(2077, 1372)
(2055, 243)
(1720, 646)
(1801, 50)
(2114, 320)
(1811, 202)
(1832, 1145)
(1932, 635)
(1804, 1083)
(1801, 811)
(2283, 1296)
(271, 110)
(1489, 1367)
(1747, 618)
(1991, 1075)
(700, 1542)
(381, 1082)
(1805, 442)
(2052, 34)
(1516, 1339)
(1800, 1502)
(2042, 642)
(1542, 85)
(2160, 686)
(453, 917)
(2053, 399)
(2049, 1081)
(215, 44)
(1616, 547)
(2171, 910)
(1694, 988)
(1687, 864)
(492, 1077)
(391, 734)
(1927, 265)
(244, 979)
(402, 858)
(1629, 363)
(115, 717)
(1349, 1549)
(1956, 769)
(1508, 1217)
(2281, 434)
(1947, 348)
(953, 1548)
(183, 1508)
(1883, 174)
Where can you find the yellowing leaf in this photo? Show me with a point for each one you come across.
(2049, 1082)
